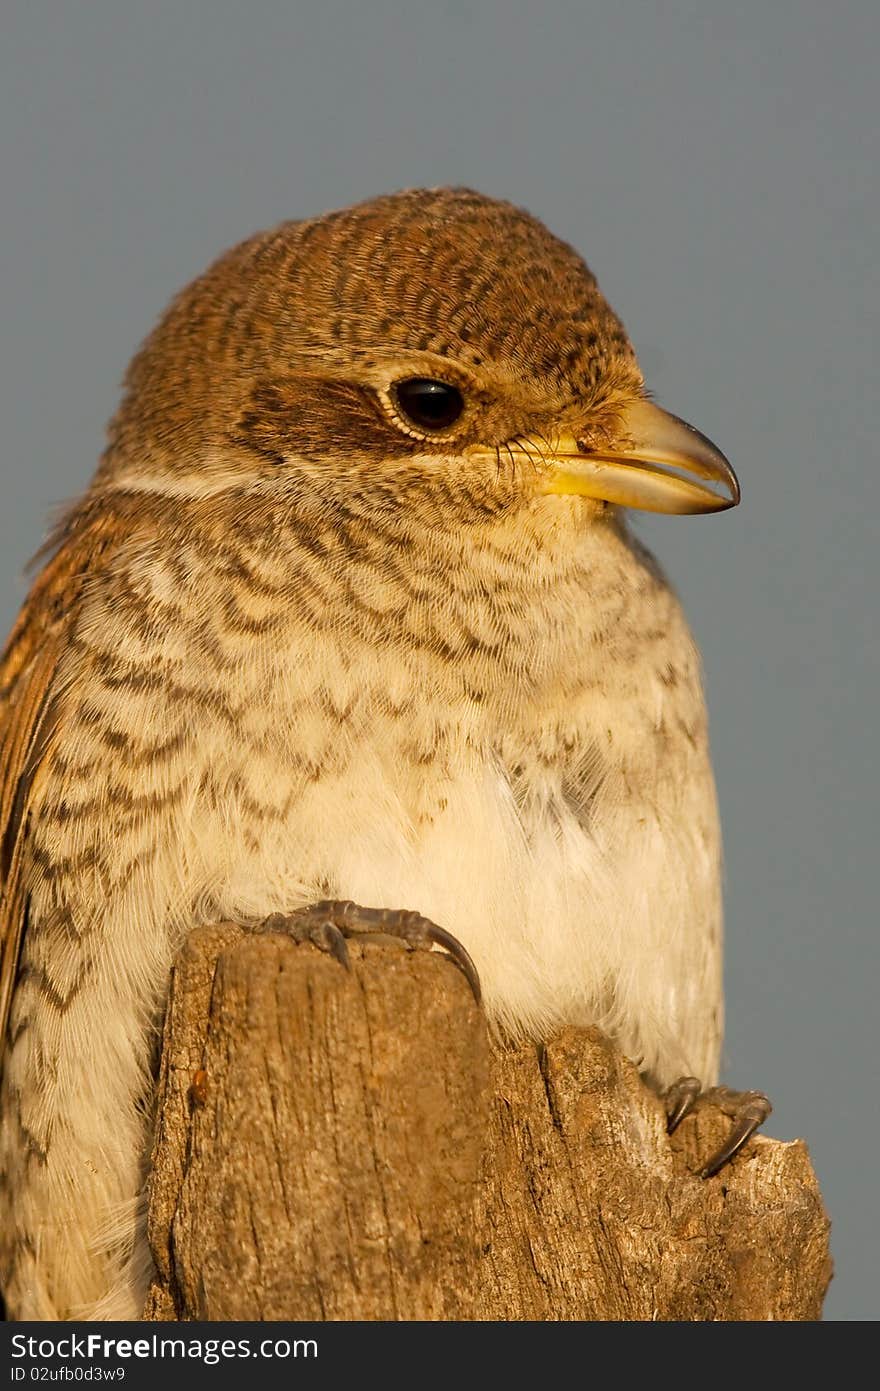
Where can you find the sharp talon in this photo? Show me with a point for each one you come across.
(681, 1097)
(330, 939)
(747, 1119)
(460, 954)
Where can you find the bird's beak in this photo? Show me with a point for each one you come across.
(662, 464)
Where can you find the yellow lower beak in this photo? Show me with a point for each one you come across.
(662, 465)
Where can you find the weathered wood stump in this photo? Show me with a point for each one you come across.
(350, 1145)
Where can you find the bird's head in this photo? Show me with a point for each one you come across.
(433, 353)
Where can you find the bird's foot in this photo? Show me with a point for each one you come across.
(329, 923)
(748, 1111)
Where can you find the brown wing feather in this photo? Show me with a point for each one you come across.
(31, 712)
(26, 735)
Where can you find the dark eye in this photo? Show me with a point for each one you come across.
(430, 405)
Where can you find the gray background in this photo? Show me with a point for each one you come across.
(714, 162)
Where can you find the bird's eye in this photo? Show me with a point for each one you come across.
(430, 405)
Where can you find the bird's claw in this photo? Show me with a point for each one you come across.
(748, 1111)
(680, 1100)
(327, 925)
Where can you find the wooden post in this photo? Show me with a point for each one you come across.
(350, 1145)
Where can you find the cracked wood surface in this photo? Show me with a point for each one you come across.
(336, 1145)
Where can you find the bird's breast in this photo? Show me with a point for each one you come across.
(531, 771)
(568, 837)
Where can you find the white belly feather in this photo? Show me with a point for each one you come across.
(615, 924)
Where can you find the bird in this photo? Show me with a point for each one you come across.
(352, 615)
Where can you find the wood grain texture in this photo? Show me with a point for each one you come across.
(341, 1145)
